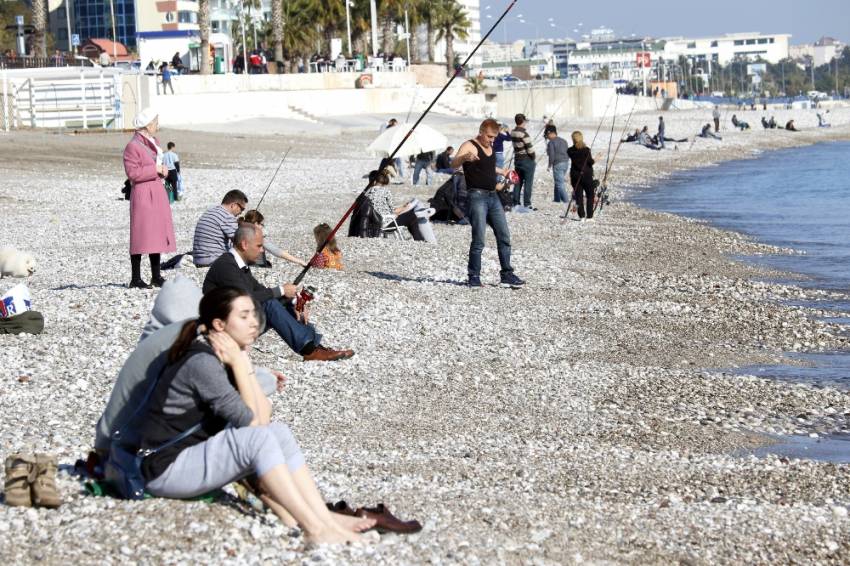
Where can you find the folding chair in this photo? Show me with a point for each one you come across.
(391, 227)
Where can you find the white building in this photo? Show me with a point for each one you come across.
(823, 51)
(726, 48)
(616, 58)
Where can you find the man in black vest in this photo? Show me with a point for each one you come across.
(479, 169)
(231, 270)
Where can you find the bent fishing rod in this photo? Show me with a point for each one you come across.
(279, 165)
(454, 75)
(589, 154)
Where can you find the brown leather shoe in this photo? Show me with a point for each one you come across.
(387, 522)
(323, 354)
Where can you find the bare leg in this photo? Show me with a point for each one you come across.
(279, 484)
(310, 492)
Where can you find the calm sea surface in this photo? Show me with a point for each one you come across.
(796, 198)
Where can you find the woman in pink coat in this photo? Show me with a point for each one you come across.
(151, 226)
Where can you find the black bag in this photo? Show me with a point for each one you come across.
(128, 186)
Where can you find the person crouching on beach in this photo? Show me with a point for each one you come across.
(707, 133)
(581, 175)
(330, 256)
(210, 379)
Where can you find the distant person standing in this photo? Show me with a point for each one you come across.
(524, 162)
(424, 161)
(559, 162)
(661, 132)
(103, 60)
(499, 145)
(716, 115)
(172, 162)
(581, 175)
(166, 79)
(151, 225)
(477, 158)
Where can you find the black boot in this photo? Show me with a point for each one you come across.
(156, 277)
(136, 273)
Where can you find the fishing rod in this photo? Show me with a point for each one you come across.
(603, 190)
(590, 150)
(524, 110)
(454, 75)
(273, 178)
(605, 113)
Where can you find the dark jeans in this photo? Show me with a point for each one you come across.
(583, 193)
(486, 208)
(282, 318)
(525, 170)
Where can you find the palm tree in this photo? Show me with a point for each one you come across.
(451, 23)
(277, 29)
(392, 11)
(39, 24)
(204, 29)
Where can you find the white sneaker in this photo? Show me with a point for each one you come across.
(590, 220)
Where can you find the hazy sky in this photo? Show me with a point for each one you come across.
(806, 20)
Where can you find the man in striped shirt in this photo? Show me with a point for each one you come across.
(525, 162)
(214, 231)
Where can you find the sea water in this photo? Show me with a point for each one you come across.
(794, 198)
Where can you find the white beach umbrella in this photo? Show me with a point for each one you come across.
(423, 139)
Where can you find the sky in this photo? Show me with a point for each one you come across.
(805, 20)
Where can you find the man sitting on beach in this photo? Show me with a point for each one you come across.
(216, 228)
(822, 123)
(707, 133)
(739, 123)
(231, 270)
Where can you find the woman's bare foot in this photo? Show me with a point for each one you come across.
(332, 535)
(354, 524)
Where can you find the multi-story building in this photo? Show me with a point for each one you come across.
(617, 60)
(726, 48)
(166, 27)
(822, 51)
(94, 19)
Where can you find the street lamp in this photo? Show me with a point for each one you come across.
(348, 4)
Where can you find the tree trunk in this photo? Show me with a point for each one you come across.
(39, 24)
(388, 41)
(204, 28)
(430, 41)
(450, 52)
(277, 29)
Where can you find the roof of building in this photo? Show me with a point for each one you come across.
(108, 45)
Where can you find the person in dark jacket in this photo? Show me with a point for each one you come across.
(444, 161)
(231, 270)
(210, 387)
(581, 175)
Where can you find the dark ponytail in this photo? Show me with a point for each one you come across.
(216, 304)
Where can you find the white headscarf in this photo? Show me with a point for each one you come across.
(144, 118)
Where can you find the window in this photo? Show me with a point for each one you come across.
(770, 40)
(762, 41)
(739, 42)
(692, 45)
(714, 43)
(751, 42)
(187, 17)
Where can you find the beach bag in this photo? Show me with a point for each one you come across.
(123, 469)
(128, 187)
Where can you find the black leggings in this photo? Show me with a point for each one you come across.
(583, 193)
(136, 266)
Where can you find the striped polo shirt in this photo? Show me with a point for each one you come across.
(213, 235)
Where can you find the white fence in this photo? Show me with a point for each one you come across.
(61, 98)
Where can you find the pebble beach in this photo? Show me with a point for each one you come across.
(591, 417)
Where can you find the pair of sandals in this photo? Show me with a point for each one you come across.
(385, 521)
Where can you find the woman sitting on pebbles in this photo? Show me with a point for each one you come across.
(210, 380)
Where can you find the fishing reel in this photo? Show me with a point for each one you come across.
(306, 295)
(507, 181)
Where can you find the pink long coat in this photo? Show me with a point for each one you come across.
(151, 226)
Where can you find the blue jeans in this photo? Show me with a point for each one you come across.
(559, 172)
(399, 166)
(282, 319)
(500, 159)
(525, 169)
(486, 208)
(429, 175)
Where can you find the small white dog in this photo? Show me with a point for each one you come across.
(15, 263)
